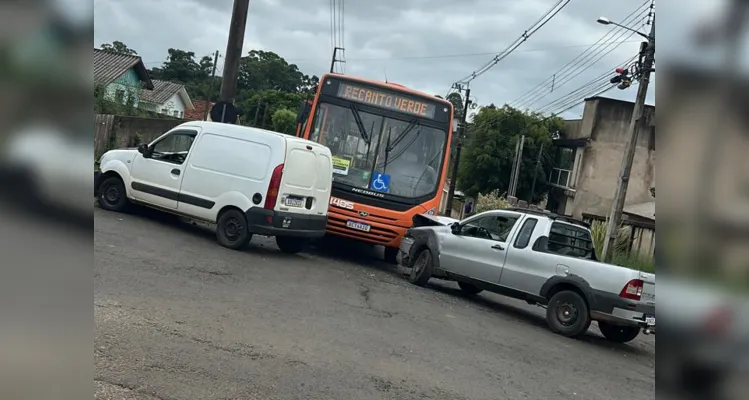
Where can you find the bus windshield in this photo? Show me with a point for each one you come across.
(364, 144)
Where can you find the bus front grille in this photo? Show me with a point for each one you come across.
(377, 235)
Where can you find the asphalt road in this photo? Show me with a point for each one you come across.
(178, 317)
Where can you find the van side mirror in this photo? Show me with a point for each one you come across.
(143, 149)
(455, 228)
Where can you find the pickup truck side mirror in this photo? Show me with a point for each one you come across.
(143, 149)
(455, 228)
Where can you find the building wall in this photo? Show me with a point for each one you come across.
(606, 122)
(169, 107)
(129, 83)
(116, 132)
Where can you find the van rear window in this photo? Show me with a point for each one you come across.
(570, 240)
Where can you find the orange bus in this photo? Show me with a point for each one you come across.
(390, 148)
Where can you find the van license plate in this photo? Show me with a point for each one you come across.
(650, 320)
(358, 226)
(293, 201)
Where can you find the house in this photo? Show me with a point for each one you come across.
(200, 110)
(121, 77)
(166, 98)
(588, 162)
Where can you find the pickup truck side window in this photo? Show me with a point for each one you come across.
(174, 147)
(524, 236)
(490, 227)
(570, 240)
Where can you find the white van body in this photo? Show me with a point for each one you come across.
(200, 169)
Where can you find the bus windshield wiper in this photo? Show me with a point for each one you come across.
(359, 124)
(402, 136)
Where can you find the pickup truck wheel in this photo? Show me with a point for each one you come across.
(422, 268)
(232, 231)
(567, 314)
(469, 289)
(112, 194)
(290, 245)
(618, 334)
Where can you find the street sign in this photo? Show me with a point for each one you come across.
(225, 112)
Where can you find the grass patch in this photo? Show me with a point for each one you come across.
(634, 261)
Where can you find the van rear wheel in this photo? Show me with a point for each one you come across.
(291, 245)
(232, 231)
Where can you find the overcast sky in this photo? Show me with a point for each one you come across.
(424, 44)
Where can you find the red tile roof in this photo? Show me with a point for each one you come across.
(198, 113)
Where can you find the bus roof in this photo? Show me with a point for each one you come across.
(396, 86)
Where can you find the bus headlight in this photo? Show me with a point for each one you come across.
(432, 211)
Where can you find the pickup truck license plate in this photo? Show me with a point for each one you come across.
(650, 320)
(293, 201)
(359, 226)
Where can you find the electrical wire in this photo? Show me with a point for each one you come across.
(582, 62)
(553, 11)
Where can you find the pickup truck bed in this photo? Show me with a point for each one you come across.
(538, 258)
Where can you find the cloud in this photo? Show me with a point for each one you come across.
(424, 44)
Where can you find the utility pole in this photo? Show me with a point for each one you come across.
(535, 173)
(516, 173)
(335, 59)
(456, 157)
(210, 88)
(234, 50)
(638, 114)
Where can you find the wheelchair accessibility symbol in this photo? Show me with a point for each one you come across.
(380, 182)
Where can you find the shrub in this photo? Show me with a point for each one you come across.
(491, 201)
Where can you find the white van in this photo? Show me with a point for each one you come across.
(246, 180)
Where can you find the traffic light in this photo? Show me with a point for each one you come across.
(622, 78)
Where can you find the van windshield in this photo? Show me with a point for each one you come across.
(373, 152)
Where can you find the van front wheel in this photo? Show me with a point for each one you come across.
(232, 231)
(291, 245)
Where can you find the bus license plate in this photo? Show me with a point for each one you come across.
(359, 226)
(650, 320)
(293, 201)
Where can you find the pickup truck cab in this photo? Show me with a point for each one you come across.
(537, 257)
(245, 180)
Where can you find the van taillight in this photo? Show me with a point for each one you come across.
(275, 185)
(632, 290)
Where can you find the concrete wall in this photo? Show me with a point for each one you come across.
(114, 131)
(606, 122)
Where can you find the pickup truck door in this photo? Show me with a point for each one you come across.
(157, 179)
(479, 249)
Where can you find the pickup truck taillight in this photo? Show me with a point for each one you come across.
(273, 187)
(632, 290)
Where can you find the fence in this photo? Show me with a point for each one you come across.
(116, 131)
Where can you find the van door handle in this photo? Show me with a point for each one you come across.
(175, 171)
(498, 247)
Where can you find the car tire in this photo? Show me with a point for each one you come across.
(469, 289)
(422, 268)
(391, 255)
(232, 231)
(618, 334)
(112, 194)
(567, 314)
(291, 245)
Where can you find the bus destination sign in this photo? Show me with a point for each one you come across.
(383, 99)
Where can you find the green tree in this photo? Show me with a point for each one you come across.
(266, 70)
(118, 47)
(457, 100)
(284, 121)
(486, 162)
(258, 109)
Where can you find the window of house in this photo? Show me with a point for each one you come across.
(175, 113)
(181, 114)
(165, 111)
(119, 96)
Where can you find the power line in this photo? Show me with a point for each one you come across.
(581, 59)
(553, 11)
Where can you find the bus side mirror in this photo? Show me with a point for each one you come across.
(303, 113)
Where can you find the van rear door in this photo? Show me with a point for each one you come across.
(307, 178)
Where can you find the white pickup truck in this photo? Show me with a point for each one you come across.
(537, 257)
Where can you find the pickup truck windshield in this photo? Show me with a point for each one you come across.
(570, 240)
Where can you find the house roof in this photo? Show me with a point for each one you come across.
(163, 91)
(198, 112)
(645, 210)
(108, 66)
